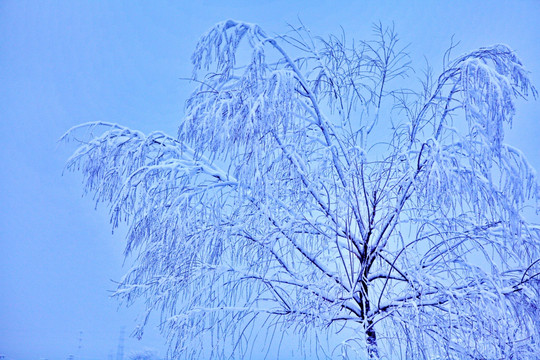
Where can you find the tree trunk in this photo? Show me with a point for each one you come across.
(371, 340)
(371, 335)
(364, 303)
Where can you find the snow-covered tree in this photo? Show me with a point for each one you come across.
(314, 193)
(144, 355)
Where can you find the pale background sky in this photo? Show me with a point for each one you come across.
(67, 62)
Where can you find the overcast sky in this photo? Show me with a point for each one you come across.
(67, 62)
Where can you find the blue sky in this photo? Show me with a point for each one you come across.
(63, 63)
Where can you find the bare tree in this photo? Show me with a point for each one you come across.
(310, 192)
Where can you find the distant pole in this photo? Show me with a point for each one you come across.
(120, 351)
(80, 345)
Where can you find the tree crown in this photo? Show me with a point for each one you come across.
(309, 191)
